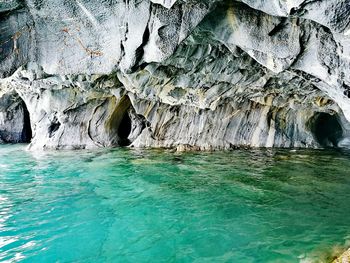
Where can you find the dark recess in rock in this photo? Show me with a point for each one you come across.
(54, 126)
(14, 119)
(326, 129)
(124, 130)
(27, 130)
(124, 125)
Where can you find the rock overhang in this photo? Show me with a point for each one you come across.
(201, 54)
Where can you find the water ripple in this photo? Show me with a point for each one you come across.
(159, 206)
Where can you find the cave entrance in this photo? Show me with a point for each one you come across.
(124, 125)
(326, 129)
(124, 129)
(27, 129)
(14, 119)
(120, 124)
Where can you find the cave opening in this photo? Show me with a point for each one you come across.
(120, 124)
(125, 124)
(124, 129)
(15, 124)
(326, 129)
(27, 128)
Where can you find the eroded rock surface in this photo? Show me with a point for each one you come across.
(187, 74)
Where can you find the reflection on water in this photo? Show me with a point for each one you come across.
(159, 206)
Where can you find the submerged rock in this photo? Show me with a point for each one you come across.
(344, 258)
(188, 74)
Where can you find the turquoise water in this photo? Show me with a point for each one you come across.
(158, 206)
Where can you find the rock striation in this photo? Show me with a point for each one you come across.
(194, 74)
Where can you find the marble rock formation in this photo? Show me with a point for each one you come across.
(188, 74)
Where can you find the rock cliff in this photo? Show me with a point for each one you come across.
(189, 74)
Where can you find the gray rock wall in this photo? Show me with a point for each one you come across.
(189, 74)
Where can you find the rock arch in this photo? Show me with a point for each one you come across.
(15, 125)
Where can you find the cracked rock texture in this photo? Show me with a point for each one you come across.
(188, 74)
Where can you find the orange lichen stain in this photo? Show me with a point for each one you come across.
(14, 38)
(92, 53)
(17, 35)
(65, 30)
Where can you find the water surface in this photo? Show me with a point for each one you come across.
(158, 206)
